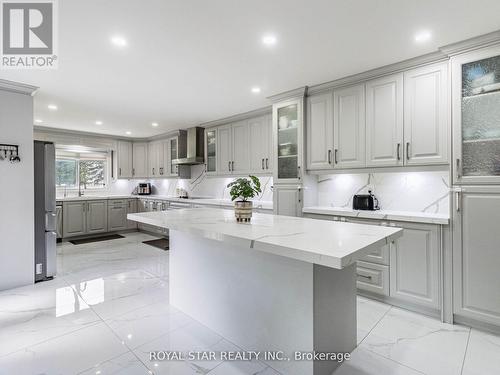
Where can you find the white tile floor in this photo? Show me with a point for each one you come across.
(109, 307)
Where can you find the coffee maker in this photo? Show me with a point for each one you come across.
(144, 188)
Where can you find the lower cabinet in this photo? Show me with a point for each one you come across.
(84, 217)
(117, 215)
(132, 205)
(372, 277)
(287, 200)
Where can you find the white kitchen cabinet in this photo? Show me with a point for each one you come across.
(260, 145)
(124, 159)
(288, 138)
(475, 116)
(74, 218)
(97, 216)
(415, 264)
(173, 150)
(476, 255)
(240, 162)
(132, 209)
(211, 166)
(384, 121)
(224, 148)
(140, 160)
(117, 215)
(349, 127)
(156, 159)
(287, 200)
(319, 131)
(426, 115)
(373, 278)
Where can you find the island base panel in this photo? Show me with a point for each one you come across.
(264, 302)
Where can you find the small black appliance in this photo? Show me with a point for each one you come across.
(365, 202)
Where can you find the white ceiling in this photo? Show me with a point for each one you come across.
(192, 61)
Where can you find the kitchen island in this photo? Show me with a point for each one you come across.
(277, 284)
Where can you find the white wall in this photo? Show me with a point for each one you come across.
(16, 192)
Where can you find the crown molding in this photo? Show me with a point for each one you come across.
(18, 88)
(472, 44)
(239, 117)
(295, 93)
(400, 66)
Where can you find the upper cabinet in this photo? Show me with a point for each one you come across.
(475, 116)
(349, 127)
(426, 115)
(240, 148)
(140, 154)
(384, 121)
(320, 131)
(124, 159)
(173, 150)
(288, 136)
(156, 159)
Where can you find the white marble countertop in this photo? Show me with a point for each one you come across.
(414, 217)
(263, 205)
(328, 243)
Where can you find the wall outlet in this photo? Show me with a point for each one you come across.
(39, 268)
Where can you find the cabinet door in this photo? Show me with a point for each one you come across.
(426, 115)
(240, 162)
(211, 151)
(174, 154)
(287, 200)
(117, 215)
(319, 131)
(152, 159)
(384, 121)
(74, 215)
(97, 217)
(349, 127)
(124, 159)
(140, 160)
(476, 255)
(132, 209)
(224, 139)
(414, 265)
(267, 140)
(475, 116)
(259, 143)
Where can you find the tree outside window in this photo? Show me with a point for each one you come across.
(88, 173)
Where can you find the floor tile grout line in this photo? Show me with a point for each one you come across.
(376, 324)
(465, 352)
(393, 360)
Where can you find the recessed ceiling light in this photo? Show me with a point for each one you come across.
(269, 40)
(128, 133)
(423, 36)
(38, 121)
(119, 41)
(154, 124)
(52, 107)
(98, 122)
(256, 90)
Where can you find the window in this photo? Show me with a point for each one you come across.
(87, 170)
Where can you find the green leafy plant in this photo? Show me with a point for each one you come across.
(244, 188)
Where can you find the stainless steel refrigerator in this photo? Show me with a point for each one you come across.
(45, 210)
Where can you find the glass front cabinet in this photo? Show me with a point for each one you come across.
(476, 117)
(288, 140)
(211, 151)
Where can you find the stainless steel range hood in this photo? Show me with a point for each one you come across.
(191, 147)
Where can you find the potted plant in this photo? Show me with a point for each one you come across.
(243, 189)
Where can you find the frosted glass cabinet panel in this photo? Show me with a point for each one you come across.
(211, 151)
(476, 117)
(288, 133)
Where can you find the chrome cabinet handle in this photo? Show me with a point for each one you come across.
(398, 151)
(133, 171)
(459, 172)
(364, 277)
(263, 163)
(153, 171)
(232, 166)
(229, 166)
(335, 156)
(267, 163)
(407, 150)
(457, 201)
(120, 171)
(298, 172)
(329, 156)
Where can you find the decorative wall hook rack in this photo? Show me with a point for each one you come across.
(10, 153)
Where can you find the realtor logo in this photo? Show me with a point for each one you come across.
(28, 34)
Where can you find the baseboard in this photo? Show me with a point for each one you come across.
(477, 324)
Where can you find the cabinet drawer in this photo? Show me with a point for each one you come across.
(379, 256)
(121, 203)
(372, 277)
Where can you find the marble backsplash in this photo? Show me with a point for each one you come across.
(398, 191)
(199, 185)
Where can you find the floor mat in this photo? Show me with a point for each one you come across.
(161, 243)
(97, 239)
